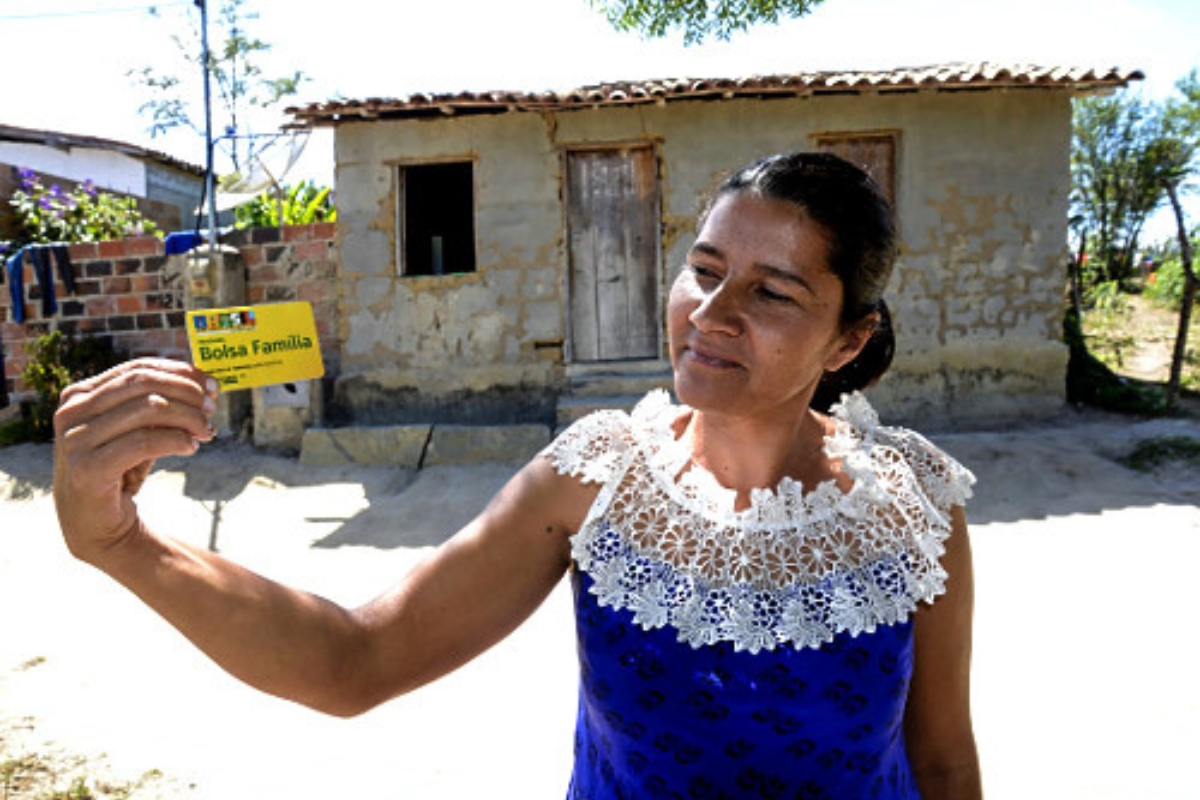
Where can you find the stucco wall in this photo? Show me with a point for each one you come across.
(109, 170)
(982, 182)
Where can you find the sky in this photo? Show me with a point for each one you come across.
(67, 61)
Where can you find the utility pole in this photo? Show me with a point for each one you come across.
(210, 188)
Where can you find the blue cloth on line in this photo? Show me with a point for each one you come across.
(66, 272)
(40, 256)
(182, 242)
(15, 269)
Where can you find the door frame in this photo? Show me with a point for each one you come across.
(566, 151)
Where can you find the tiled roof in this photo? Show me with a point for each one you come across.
(938, 78)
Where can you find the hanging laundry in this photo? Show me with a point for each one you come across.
(66, 272)
(182, 242)
(40, 256)
(15, 269)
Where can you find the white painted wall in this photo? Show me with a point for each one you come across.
(109, 170)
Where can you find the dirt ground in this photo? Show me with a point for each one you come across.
(1084, 673)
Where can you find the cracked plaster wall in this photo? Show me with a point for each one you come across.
(982, 181)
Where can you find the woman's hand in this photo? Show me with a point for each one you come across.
(109, 430)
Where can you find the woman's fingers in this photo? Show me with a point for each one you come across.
(172, 380)
(109, 431)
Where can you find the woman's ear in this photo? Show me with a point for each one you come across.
(852, 341)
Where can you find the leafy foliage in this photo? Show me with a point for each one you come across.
(301, 204)
(1117, 169)
(81, 215)
(239, 82)
(699, 19)
(57, 360)
(1165, 284)
(1150, 454)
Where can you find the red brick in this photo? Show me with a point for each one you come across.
(114, 248)
(116, 286)
(311, 251)
(100, 306)
(84, 251)
(131, 304)
(297, 233)
(255, 294)
(251, 256)
(143, 246)
(324, 230)
(146, 283)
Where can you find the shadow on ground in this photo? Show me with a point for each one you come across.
(1042, 470)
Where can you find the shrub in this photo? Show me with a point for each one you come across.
(57, 360)
(301, 204)
(81, 215)
(1165, 285)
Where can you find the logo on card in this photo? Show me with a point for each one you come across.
(225, 321)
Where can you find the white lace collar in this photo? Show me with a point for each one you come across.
(795, 566)
(698, 489)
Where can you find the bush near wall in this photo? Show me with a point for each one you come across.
(129, 291)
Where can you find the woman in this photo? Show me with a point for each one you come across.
(747, 568)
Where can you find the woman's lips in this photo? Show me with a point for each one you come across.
(711, 358)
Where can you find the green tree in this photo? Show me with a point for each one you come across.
(1179, 150)
(1117, 169)
(699, 19)
(240, 84)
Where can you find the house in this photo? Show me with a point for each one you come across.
(506, 255)
(167, 189)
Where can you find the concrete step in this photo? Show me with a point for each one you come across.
(571, 409)
(616, 378)
(423, 445)
(615, 384)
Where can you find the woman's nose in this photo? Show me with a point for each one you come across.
(718, 312)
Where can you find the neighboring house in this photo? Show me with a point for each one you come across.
(504, 253)
(167, 189)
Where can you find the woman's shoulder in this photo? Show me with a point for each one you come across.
(865, 444)
(596, 446)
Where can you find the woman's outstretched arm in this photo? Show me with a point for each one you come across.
(468, 595)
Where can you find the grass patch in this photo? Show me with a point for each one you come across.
(1154, 453)
(35, 777)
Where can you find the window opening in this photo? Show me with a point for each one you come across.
(437, 218)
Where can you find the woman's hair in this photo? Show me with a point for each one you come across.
(861, 236)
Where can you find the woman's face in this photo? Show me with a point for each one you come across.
(753, 319)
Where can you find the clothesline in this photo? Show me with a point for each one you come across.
(39, 256)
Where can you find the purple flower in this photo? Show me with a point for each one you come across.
(89, 187)
(28, 178)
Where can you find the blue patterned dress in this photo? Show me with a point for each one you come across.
(756, 653)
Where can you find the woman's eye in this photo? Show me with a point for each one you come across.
(775, 297)
(704, 274)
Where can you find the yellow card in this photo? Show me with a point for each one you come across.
(247, 346)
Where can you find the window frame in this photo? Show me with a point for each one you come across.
(400, 176)
(842, 143)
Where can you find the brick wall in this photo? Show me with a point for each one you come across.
(129, 291)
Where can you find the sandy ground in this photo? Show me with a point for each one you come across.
(1085, 660)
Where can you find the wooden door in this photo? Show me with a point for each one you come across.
(613, 234)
